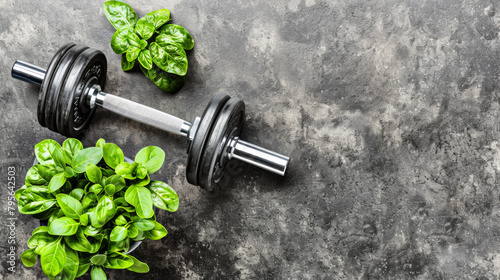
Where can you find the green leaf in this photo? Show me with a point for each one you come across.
(91, 231)
(120, 14)
(144, 28)
(63, 226)
(90, 199)
(170, 58)
(70, 269)
(163, 80)
(77, 193)
(158, 232)
(71, 147)
(96, 188)
(116, 180)
(120, 42)
(119, 260)
(68, 172)
(57, 182)
(100, 143)
(126, 170)
(175, 34)
(151, 158)
(138, 266)
(94, 173)
(39, 240)
(120, 220)
(145, 59)
(83, 267)
(140, 198)
(97, 273)
(132, 232)
(112, 155)
(164, 196)
(105, 210)
(84, 219)
(85, 157)
(48, 152)
(78, 241)
(132, 53)
(110, 189)
(95, 242)
(71, 207)
(98, 259)
(118, 234)
(159, 17)
(144, 224)
(53, 258)
(29, 257)
(37, 205)
(39, 175)
(126, 65)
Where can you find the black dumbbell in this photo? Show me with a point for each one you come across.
(71, 90)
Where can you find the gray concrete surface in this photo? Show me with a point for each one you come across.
(388, 109)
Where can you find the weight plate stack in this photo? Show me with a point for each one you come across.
(47, 81)
(213, 159)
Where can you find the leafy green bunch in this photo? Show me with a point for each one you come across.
(159, 47)
(94, 204)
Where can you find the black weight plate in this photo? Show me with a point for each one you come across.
(73, 113)
(229, 124)
(59, 77)
(206, 124)
(47, 81)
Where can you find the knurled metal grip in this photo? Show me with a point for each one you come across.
(213, 139)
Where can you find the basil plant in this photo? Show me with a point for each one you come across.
(93, 205)
(158, 47)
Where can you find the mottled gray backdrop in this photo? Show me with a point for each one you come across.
(388, 109)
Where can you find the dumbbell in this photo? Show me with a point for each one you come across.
(71, 90)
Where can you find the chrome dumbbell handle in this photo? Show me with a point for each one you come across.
(236, 148)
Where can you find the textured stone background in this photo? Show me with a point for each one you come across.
(388, 109)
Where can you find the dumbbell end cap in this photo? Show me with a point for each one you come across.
(28, 72)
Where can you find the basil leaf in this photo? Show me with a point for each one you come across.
(53, 258)
(77, 193)
(39, 175)
(126, 170)
(83, 267)
(118, 234)
(110, 189)
(119, 260)
(140, 198)
(144, 28)
(119, 14)
(49, 152)
(89, 200)
(96, 188)
(29, 257)
(126, 65)
(105, 210)
(158, 232)
(98, 259)
(86, 156)
(120, 40)
(100, 143)
(70, 269)
(132, 232)
(175, 34)
(39, 240)
(120, 220)
(68, 172)
(84, 219)
(112, 155)
(38, 205)
(138, 266)
(91, 231)
(132, 53)
(78, 241)
(71, 207)
(45, 214)
(116, 180)
(145, 59)
(57, 182)
(163, 80)
(93, 173)
(170, 58)
(151, 158)
(97, 273)
(144, 225)
(164, 196)
(95, 242)
(63, 226)
(70, 148)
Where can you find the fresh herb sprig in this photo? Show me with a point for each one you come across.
(95, 204)
(159, 47)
